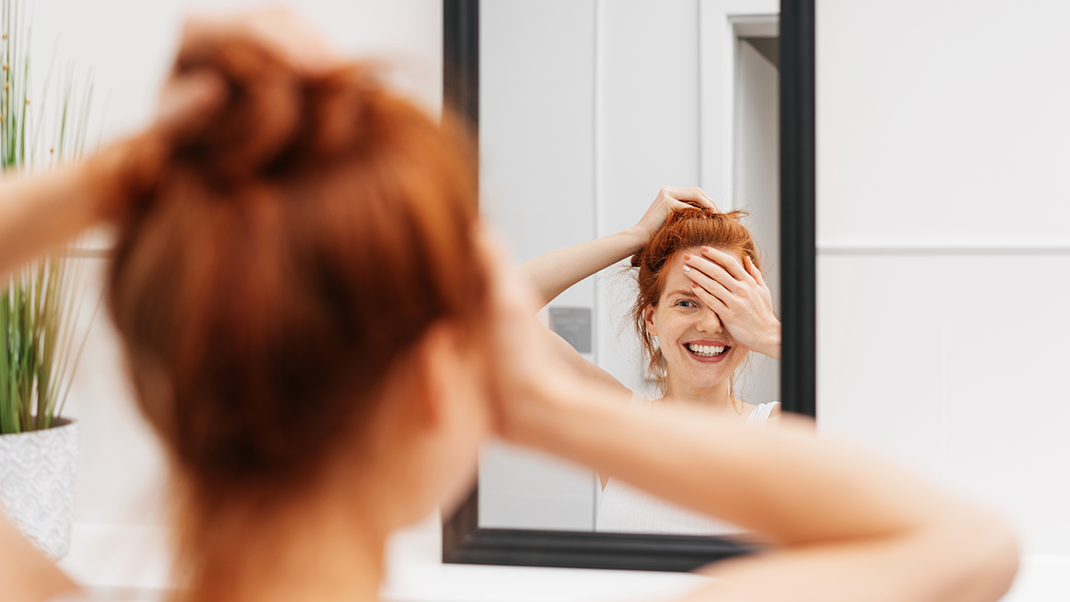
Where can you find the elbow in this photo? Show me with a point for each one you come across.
(990, 546)
(1005, 554)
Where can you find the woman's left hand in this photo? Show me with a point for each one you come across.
(740, 297)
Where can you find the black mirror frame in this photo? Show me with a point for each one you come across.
(463, 541)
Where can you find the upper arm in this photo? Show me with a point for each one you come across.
(580, 365)
(586, 369)
(26, 574)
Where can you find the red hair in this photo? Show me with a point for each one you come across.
(683, 229)
(287, 256)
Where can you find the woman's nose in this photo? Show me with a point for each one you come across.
(710, 321)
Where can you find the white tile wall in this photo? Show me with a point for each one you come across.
(944, 235)
(942, 124)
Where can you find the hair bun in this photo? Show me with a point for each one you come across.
(258, 120)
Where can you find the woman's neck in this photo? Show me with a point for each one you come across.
(324, 552)
(717, 397)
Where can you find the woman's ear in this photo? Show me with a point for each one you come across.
(438, 369)
(648, 317)
(451, 377)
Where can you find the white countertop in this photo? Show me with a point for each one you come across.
(131, 564)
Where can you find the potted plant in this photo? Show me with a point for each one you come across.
(39, 306)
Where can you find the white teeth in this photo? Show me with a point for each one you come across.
(706, 350)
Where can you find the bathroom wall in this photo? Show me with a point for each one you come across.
(944, 249)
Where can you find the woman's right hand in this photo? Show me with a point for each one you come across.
(189, 94)
(669, 199)
(190, 97)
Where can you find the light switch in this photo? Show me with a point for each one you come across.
(574, 325)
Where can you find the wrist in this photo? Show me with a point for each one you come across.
(633, 239)
(120, 171)
(771, 347)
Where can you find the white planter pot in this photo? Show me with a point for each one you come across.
(37, 478)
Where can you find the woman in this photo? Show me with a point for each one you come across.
(702, 304)
(320, 337)
(702, 307)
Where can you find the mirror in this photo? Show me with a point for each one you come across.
(584, 111)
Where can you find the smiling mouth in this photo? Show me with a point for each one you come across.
(707, 350)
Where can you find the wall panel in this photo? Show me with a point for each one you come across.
(537, 179)
(943, 123)
(942, 235)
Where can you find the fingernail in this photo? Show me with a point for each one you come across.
(686, 256)
(706, 249)
(687, 268)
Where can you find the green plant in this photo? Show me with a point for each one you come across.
(39, 303)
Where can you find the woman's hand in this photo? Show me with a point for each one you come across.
(188, 97)
(191, 96)
(739, 296)
(669, 199)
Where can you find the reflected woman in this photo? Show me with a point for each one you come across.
(702, 308)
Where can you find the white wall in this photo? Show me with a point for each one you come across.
(944, 243)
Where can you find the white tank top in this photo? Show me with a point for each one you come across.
(625, 509)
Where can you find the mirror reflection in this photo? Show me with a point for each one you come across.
(630, 160)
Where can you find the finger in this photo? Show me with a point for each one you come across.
(675, 205)
(300, 43)
(692, 194)
(187, 102)
(713, 271)
(712, 204)
(277, 29)
(711, 300)
(754, 272)
(709, 285)
(729, 263)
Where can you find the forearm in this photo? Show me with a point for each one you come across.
(970, 557)
(785, 482)
(41, 212)
(38, 213)
(553, 273)
(26, 575)
(849, 525)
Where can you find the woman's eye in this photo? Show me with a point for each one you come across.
(685, 303)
